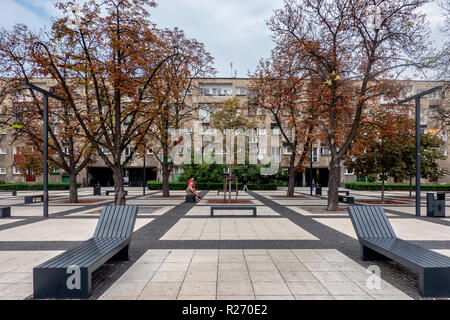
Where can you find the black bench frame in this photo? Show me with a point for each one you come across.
(107, 192)
(30, 199)
(347, 193)
(5, 212)
(346, 199)
(253, 208)
(111, 241)
(379, 242)
(190, 198)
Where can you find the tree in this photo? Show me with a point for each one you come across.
(353, 50)
(23, 108)
(114, 53)
(228, 118)
(29, 163)
(278, 89)
(379, 146)
(170, 92)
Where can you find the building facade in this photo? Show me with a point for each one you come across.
(205, 94)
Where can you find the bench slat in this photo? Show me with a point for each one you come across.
(414, 253)
(370, 222)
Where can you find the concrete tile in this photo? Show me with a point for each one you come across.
(265, 276)
(291, 266)
(233, 266)
(242, 288)
(392, 297)
(198, 289)
(307, 288)
(319, 266)
(212, 297)
(259, 259)
(272, 288)
(298, 276)
(232, 258)
(174, 266)
(287, 297)
(13, 277)
(201, 276)
(327, 276)
(168, 276)
(343, 288)
(161, 289)
(314, 297)
(249, 297)
(385, 288)
(345, 297)
(232, 276)
(256, 266)
(203, 266)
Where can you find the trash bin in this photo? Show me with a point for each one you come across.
(318, 191)
(97, 190)
(436, 207)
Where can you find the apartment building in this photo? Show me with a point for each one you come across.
(205, 95)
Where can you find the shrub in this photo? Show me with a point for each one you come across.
(157, 185)
(395, 187)
(35, 186)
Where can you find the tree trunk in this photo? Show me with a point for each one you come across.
(382, 190)
(119, 187)
(165, 178)
(292, 172)
(333, 185)
(73, 192)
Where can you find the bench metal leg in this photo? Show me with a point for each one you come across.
(368, 254)
(122, 255)
(434, 282)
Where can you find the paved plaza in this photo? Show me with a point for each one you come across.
(292, 250)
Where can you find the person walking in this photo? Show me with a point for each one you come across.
(245, 181)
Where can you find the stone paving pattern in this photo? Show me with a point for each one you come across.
(293, 249)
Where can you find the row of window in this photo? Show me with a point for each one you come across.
(205, 91)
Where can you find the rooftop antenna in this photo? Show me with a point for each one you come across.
(231, 66)
(235, 73)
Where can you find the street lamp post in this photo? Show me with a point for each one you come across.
(416, 98)
(46, 94)
(144, 176)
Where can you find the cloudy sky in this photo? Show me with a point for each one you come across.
(232, 30)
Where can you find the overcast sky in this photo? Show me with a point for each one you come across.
(232, 30)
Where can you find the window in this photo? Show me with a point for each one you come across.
(204, 91)
(444, 136)
(189, 91)
(433, 111)
(444, 152)
(149, 151)
(216, 91)
(15, 170)
(262, 111)
(262, 151)
(240, 91)
(14, 150)
(106, 151)
(324, 151)
(66, 150)
(315, 156)
(287, 150)
(262, 131)
(2, 150)
(2, 170)
(276, 154)
(276, 131)
(435, 95)
(204, 115)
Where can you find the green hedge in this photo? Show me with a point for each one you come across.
(157, 185)
(395, 187)
(35, 186)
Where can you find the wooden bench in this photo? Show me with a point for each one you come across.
(30, 199)
(346, 199)
(5, 212)
(347, 193)
(57, 278)
(233, 208)
(13, 192)
(379, 242)
(113, 191)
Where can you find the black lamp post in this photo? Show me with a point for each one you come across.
(46, 94)
(417, 100)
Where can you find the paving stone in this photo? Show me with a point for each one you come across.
(242, 288)
(272, 288)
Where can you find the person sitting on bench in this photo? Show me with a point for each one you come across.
(191, 189)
